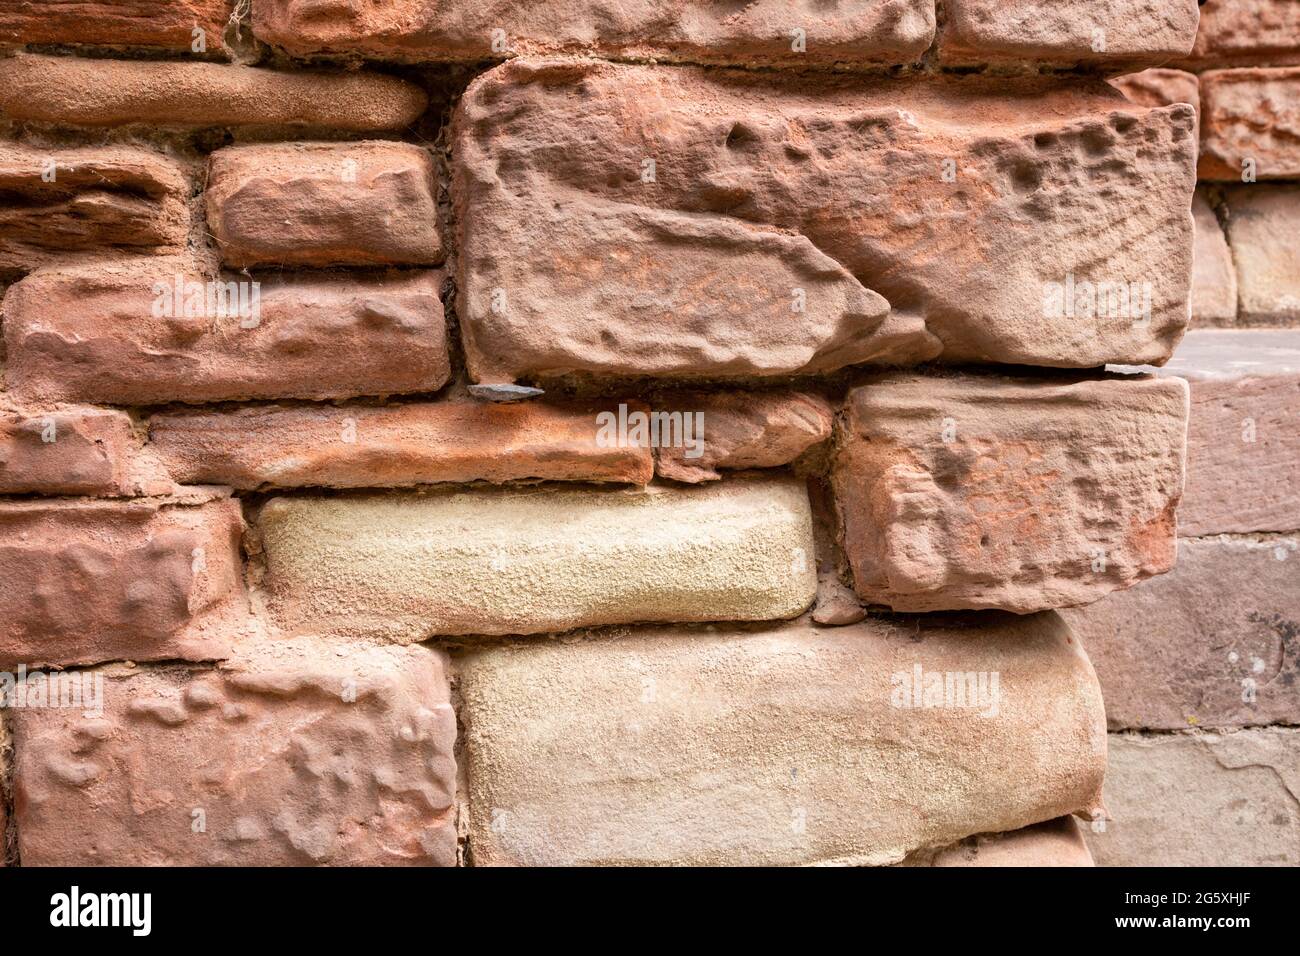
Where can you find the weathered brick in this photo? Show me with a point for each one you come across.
(95, 199)
(369, 447)
(1054, 843)
(1160, 87)
(319, 204)
(1242, 432)
(1106, 33)
(1211, 644)
(1202, 800)
(773, 746)
(545, 559)
(1264, 233)
(1214, 277)
(137, 580)
(93, 335)
(86, 92)
(1022, 494)
(1245, 32)
(74, 451)
(163, 24)
(1248, 123)
(855, 33)
(738, 430)
(783, 213)
(288, 755)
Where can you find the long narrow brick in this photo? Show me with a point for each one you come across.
(101, 581)
(1242, 431)
(535, 561)
(779, 32)
(85, 92)
(1247, 32)
(624, 220)
(1202, 800)
(287, 755)
(1107, 33)
(1211, 644)
(123, 335)
(1248, 123)
(367, 447)
(320, 204)
(160, 24)
(93, 199)
(1264, 233)
(1021, 494)
(74, 451)
(777, 746)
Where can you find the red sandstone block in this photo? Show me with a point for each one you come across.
(73, 451)
(163, 24)
(98, 199)
(1105, 33)
(301, 753)
(1021, 494)
(1160, 87)
(1210, 644)
(1264, 233)
(737, 430)
(367, 447)
(140, 580)
(150, 333)
(623, 220)
(1243, 432)
(1248, 123)
(1247, 32)
(1214, 276)
(96, 92)
(319, 204)
(782, 32)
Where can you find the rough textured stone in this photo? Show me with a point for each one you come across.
(1070, 32)
(1054, 843)
(854, 33)
(364, 447)
(1214, 277)
(84, 92)
(319, 204)
(544, 559)
(773, 746)
(74, 451)
(1251, 115)
(1160, 87)
(782, 209)
(94, 199)
(1211, 644)
(743, 430)
(289, 755)
(1022, 494)
(164, 24)
(91, 335)
(1264, 232)
(1202, 800)
(139, 580)
(1239, 32)
(1242, 432)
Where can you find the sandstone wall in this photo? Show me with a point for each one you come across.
(591, 432)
